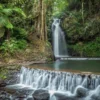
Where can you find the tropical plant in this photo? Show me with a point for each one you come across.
(13, 45)
(5, 14)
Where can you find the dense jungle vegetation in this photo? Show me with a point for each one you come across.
(25, 25)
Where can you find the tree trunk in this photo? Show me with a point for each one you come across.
(40, 24)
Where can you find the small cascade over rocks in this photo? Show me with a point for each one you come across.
(57, 81)
(59, 42)
(55, 85)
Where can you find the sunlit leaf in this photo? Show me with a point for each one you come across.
(4, 22)
(20, 11)
(7, 11)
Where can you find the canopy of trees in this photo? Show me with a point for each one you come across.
(28, 22)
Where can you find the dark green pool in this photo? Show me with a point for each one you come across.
(72, 65)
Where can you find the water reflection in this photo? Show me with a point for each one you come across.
(58, 64)
(71, 65)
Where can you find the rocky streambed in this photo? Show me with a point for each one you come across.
(10, 91)
(41, 94)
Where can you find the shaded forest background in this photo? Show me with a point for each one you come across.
(25, 28)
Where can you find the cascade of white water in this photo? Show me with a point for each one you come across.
(57, 81)
(59, 85)
(59, 43)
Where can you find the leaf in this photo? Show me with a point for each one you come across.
(8, 25)
(2, 30)
(1, 6)
(7, 11)
(4, 22)
(20, 11)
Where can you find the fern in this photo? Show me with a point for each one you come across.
(5, 13)
(4, 22)
(20, 11)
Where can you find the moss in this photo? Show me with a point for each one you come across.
(3, 73)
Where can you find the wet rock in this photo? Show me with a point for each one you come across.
(4, 95)
(18, 94)
(30, 99)
(21, 97)
(41, 95)
(60, 96)
(12, 78)
(95, 95)
(2, 83)
(81, 92)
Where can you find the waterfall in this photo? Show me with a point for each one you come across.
(57, 81)
(59, 42)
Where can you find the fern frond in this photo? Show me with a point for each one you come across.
(4, 22)
(1, 6)
(20, 11)
(7, 11)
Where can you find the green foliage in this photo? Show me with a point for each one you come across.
(13, 45)
(76, 30)
(79, 47)
(17, 39)
(19, 11)
(5, 14)
(80, 20)
(59, 7)
(73, 25)
(92, 48)
(3, 73)
(88, 49)
(28, 7)
(92, 27)
(3, 76)
(4, 22)
(81, 23)
(19, 33)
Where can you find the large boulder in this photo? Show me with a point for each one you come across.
(60, 96)
(41, 95)
(81, 92)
